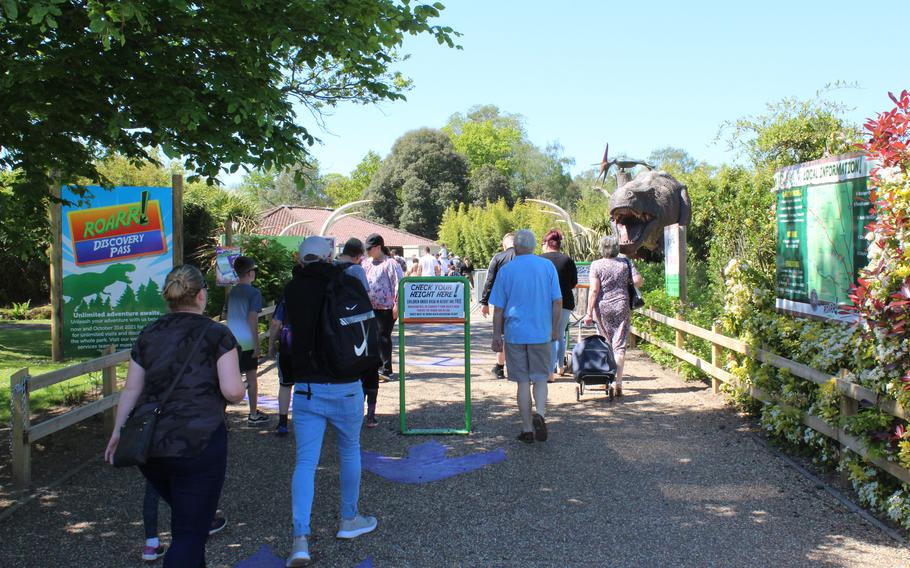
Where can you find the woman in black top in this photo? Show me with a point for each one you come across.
(188, 454)
(568, 279)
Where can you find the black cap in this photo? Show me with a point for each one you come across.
(374, 240)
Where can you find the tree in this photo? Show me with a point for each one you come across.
(299, 184)
(428, 155)
(488, 184)
(209, 83)
(342, 189)
(674, 161)
(417, 211)
(551, 180)
(792, 132)
(485, 143)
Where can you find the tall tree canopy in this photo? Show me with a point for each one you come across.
(343, 189)
(209, 82)
(428, 155)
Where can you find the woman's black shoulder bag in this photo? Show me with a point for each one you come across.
(635, 299)
(136, 433)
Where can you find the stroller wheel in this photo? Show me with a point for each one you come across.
(610, 392)
(577, 394)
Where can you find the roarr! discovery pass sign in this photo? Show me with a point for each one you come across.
(116, 254)
(117, 232)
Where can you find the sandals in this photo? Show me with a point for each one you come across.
(526, 437)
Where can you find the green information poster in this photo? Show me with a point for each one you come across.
(116, 255)
(823, 208)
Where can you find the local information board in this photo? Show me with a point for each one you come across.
(433, 300)
(823, 208)
(116, 255)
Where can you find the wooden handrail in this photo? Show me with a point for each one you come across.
(22, 385)
(848, 390)
(851, 390)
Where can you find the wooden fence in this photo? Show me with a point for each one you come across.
(851, 394)
(24, 433)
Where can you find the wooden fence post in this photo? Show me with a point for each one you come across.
(55, 255)
(108, 388)
(716, 354)
(177, 218)
(680, 339)
(21, 420)
(848, 407)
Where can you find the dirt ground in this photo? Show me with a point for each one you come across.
(666, 476)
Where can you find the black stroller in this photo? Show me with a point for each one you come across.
(593, 364)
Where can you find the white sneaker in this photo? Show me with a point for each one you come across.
(300, 553)
(357, 526)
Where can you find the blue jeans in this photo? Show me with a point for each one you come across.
(341, 405)
(559, 346)
(192, 487)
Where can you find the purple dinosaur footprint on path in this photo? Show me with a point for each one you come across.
(427, 462)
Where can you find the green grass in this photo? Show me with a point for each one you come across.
(22, 347)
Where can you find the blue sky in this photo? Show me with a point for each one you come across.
(637, 75)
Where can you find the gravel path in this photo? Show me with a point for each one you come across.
(667, 477)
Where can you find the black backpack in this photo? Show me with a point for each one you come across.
(348, 336)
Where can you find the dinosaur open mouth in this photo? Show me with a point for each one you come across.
(630, 224)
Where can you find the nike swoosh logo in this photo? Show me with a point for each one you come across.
(351, 308)
(359, 350)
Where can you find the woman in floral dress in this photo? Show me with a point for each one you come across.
(609, 293)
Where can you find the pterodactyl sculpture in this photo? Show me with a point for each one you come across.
(622, 165)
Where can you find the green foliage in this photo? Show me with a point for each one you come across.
(792, 131)
(195, 100)
(476, 232)
(299, 184)
(674, 161)
(417, 207)
(273, 270)
(486, 144)
(426, 155)
(488, 184)
(342, 189)
(19, 310)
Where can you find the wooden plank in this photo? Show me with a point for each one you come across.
(722, 340)
(693, 360)
(73, 371)
(716, 355)
(58, 423)
(20, 417)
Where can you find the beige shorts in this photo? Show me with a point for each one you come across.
(528, 361)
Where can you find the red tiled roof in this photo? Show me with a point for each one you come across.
(274, 220)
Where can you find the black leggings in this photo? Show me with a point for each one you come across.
(192, 487)
(386, 323)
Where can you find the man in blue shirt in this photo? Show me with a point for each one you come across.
(528, 305)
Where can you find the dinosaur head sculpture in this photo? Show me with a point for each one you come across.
(640, 209)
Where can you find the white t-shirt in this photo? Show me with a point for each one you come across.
(428, 265)
(443, 266)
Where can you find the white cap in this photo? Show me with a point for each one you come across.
(315, 248)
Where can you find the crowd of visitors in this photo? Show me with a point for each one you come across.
(331, 332)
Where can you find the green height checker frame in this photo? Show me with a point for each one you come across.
(442, 317)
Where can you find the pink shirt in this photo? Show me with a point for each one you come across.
(383, 278)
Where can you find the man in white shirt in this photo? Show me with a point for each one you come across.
(428, 266)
